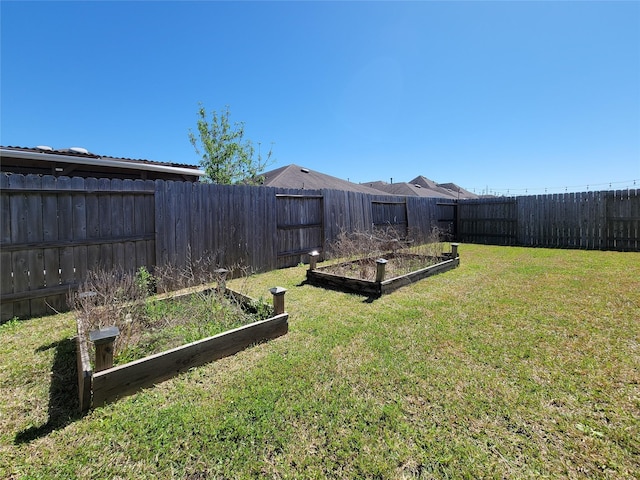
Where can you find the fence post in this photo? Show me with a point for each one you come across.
(103, 340)
(381, 264)
(313, 260)
(454, 250)
(278, 299)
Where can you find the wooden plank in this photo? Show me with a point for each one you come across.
(84, 370)
(120, 381)
(5, 210)
(128, 221)
(140, 257)
(79, 228)
(39, 293)
(106, 219)
(94, 219)
(65, 230)
(116, 210)
(392, 284)
(19, 233)
(171, 223)
(183, 248)
(634, 196)
(50, 234)
(65, 243)
(35, 234)
(6, 286)
(6, 277)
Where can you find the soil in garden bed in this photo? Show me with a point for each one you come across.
(161, 324)
(397, 264)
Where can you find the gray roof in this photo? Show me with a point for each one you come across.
(408, 189)
(294, 176)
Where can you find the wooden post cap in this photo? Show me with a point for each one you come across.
(278, 299)
(313, 259)
(221, 271)
(104, 335)
(381, 261)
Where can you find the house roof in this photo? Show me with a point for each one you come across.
(408, 189)
(80, 162)
(458, 191)
(294, 176)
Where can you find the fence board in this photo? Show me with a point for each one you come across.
(6, 277)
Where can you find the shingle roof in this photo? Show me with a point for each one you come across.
(294, 176)
(409, 189)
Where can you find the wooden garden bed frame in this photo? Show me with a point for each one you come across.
(97, 388)
(322, 278)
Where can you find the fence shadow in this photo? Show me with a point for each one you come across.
(63, 392)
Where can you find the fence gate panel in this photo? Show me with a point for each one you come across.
(390, 217)
(300, 226)
(447, 216)
(492, 221)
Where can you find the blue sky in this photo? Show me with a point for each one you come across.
(509, 97)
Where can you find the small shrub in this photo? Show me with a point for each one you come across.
(381, 243)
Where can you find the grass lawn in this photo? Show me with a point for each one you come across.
(521, 363)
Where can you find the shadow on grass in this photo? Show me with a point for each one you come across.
(63, 392)
(368, 299)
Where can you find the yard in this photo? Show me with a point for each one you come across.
(520, 363)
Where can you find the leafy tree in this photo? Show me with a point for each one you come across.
(227, 157)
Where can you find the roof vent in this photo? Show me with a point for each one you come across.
(417, 185)
(45, 147)
(79, 150)
(305, 170)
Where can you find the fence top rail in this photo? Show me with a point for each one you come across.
(286, 195)
(76, 190)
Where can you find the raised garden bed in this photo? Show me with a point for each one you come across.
(367, 276)
(102, 383)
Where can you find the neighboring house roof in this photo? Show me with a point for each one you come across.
(409, 189)
(294, 176)
(80, 162)
(458, 191)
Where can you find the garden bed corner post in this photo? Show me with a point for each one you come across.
(278, 299)
(103, 340)
(313, 260)
(381, 265)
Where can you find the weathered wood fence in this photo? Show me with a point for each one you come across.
(57, 229)
(605, 220)
(54, 230)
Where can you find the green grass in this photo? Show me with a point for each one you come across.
(521, 363)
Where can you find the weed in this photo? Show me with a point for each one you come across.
(152, 324)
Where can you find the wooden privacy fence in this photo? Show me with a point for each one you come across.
(606, 220)
(266, 228)
(57, 229)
